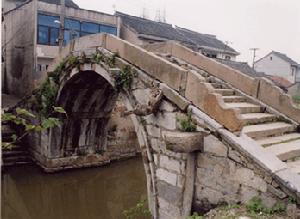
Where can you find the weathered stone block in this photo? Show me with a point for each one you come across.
(166, 106)
(214, 146)
(157, 145)
(168, 208)
(153, 131)
(183, 142)
(170, 164)
(166, 176)
(171, 194)
(174, 97)
(142, 95)
(165, 120)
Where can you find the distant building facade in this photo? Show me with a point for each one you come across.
(141, 31)
(279, 64)
(30, 37)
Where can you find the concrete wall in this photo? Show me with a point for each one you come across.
(19, 33)
(298, 74)
(130, 36)
(294, 90)
(84, 15)
(275, 66)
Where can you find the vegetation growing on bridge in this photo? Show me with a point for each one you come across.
(186, 124)
(43, 99)
(28, 123)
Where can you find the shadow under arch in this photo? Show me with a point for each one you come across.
(88, 99)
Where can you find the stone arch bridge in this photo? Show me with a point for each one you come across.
(247, 141)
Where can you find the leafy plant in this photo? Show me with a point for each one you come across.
(97, 57)
(124, 78)
(111, 61)
(24, 119)
(194, 216)
(140, 211)
(292, 200)
(255, 205)
(186, 124)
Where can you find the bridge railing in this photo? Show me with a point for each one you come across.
(260, 88)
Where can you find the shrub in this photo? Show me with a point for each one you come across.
(186, 124)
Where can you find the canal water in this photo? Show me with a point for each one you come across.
(94, 193)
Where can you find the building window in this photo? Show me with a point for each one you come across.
(293, 71)
(54, 35)
(271, 58)
(72, 30)
(48, 30)
(108, 29)
(88, 27)
(39, 67)
(43, 35)
(227, 57)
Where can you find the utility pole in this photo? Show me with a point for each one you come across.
(254, 55)
(62, 24)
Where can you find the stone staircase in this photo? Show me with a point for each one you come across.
(275, 133)
(18, 154)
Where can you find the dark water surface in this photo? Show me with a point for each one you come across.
(103, 192)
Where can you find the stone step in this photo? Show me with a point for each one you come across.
(23, 158)
(257, 118)
(265, 130)
(294, 166)
(14, 161)
(219, 85)
(285, 151)
(225, 92)
(279, 139)
(12, 153)
(245, 107)
(233, 99)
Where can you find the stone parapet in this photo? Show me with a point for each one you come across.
(275, 181)
(260, 88)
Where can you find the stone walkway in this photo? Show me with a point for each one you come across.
(276, 134)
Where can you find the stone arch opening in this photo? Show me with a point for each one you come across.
(88, 99)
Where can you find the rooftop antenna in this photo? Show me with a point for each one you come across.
(144, 13)
(114, 8)
(164, 15)
(254, 55)
(157, 16)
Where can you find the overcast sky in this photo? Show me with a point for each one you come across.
(266, 24)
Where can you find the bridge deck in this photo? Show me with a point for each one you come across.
(261, 124)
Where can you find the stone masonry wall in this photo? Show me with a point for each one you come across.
(223, 175)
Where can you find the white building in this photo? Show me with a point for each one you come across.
(279, 64)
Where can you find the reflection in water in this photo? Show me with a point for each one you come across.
(97, 193)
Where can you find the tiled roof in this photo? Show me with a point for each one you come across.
(285, 57)
(242, 67)
(152, 28)
(166, 31)
(280, 81)
(205, 40)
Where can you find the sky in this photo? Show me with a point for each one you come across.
(264, 24)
